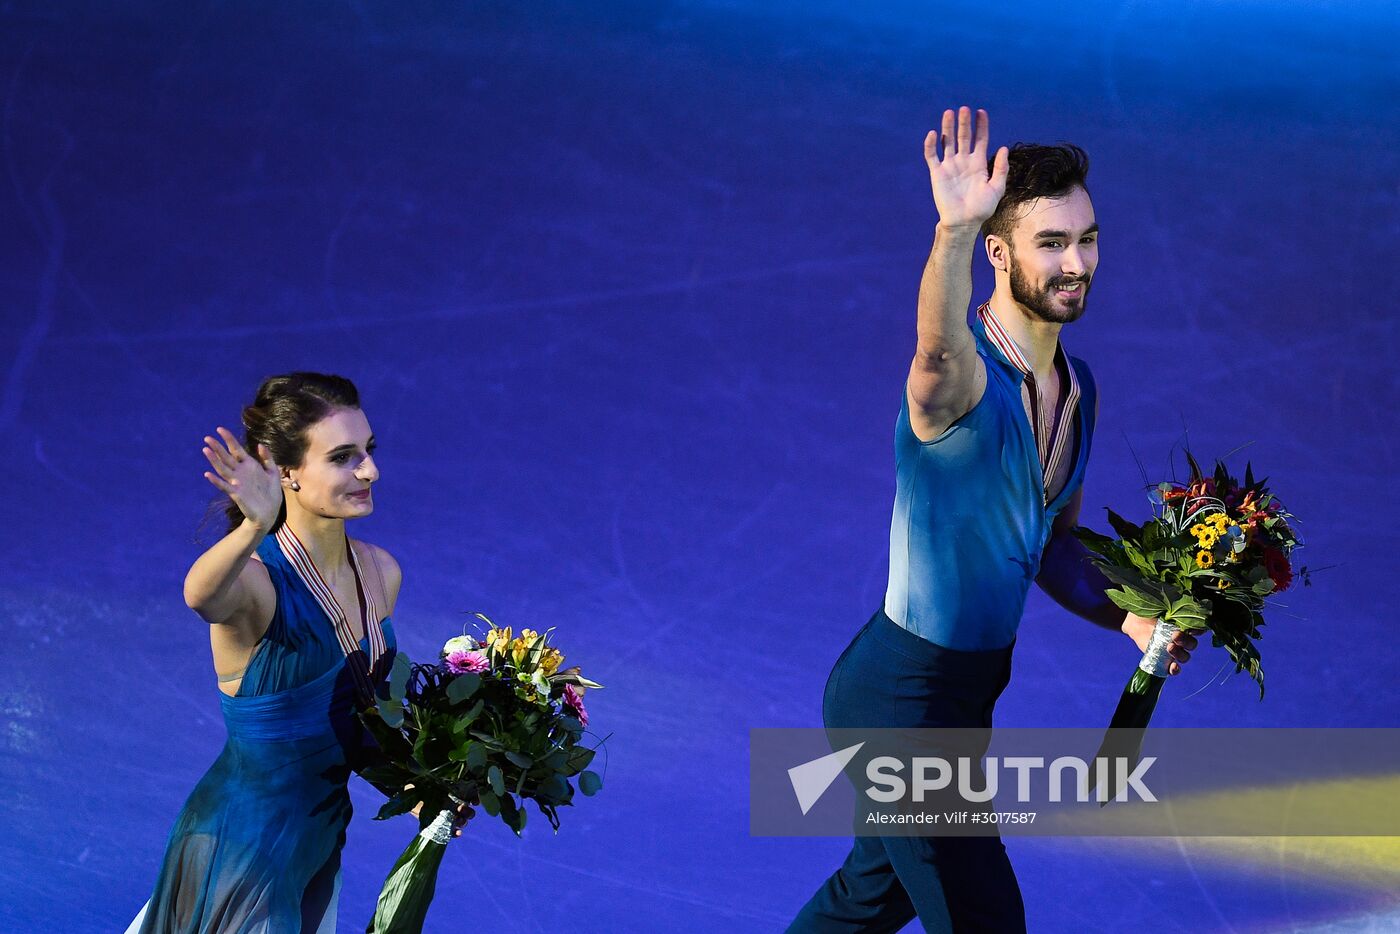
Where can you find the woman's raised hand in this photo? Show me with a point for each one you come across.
(963, 192)
(251, 482)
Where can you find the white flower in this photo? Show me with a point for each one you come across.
(460, 644)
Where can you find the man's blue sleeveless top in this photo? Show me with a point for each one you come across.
(970, 520)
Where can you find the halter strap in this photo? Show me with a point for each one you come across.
(355, 657)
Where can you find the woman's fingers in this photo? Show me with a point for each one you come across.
(213, 444)
(218, 463)
(234, 447)
(218, 483)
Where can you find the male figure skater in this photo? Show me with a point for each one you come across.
(991, 443)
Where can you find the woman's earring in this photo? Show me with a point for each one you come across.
(295, 486)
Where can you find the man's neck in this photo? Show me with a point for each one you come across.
(1036, 339)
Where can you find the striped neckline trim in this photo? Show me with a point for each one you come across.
(300, 560)
(1050, 450)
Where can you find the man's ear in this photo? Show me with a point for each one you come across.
(998, 253)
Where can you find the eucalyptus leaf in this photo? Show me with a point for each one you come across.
(399, 675)
(462, 687)
(476, 757)
(590, 783)
(391, 712)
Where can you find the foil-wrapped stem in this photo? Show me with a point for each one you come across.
(440, 830)
(1155, 661)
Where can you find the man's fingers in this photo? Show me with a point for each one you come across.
(1001, 165)
(931, 146)
(983, 132)
(964, 129)
(949, 124)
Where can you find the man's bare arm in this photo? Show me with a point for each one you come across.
(947, 378)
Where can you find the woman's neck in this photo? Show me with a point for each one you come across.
(322, 537)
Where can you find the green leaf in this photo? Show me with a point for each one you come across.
(590, 783)
(399, 675)
(1130, 579)
(1136, 603)
(1187, 613)
(1091, 538)
(391, 712)
(467, 719)
(1125, 529)
(462, 687)
(519, 759)
(476, 757)
(579, 759)
(1196, 473)
(401, 803)
(553, 790)
(388, 776)
(497, 780)
(490, 803)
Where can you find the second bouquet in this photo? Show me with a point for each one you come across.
(495, 721)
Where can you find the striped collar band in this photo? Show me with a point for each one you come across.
(1051, 450)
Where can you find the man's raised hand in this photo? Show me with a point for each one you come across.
(962, 190)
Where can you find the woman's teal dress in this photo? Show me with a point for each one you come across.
(256, 847)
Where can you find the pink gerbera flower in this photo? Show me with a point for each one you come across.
(574, 698)
(460, 663)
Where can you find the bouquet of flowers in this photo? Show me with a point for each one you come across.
(1208, 560)
(494, 722)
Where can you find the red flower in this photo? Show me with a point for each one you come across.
(1175, 493)
(1203, 487)
(1278, 568)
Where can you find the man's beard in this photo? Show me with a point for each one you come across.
(1043, 303)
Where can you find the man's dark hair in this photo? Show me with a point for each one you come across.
(1035, 172)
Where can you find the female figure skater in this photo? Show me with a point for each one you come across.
(300, 633)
